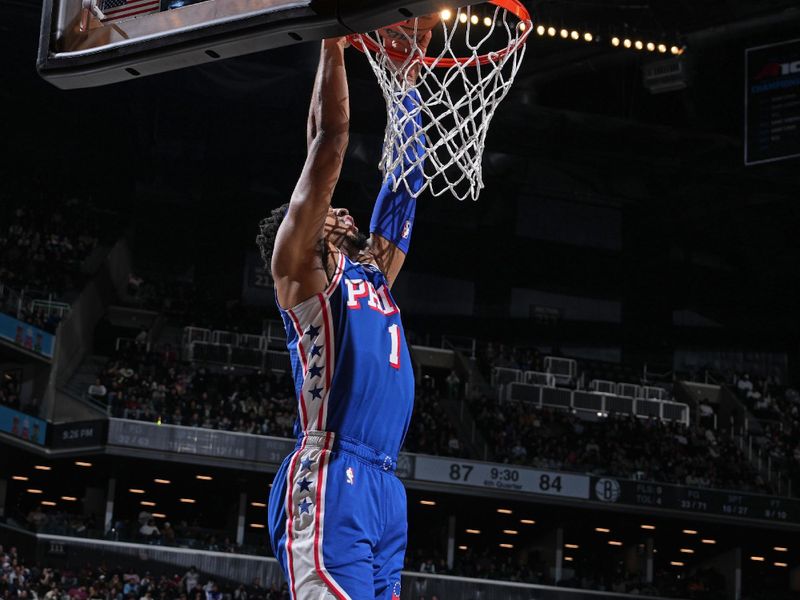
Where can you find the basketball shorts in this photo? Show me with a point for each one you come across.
(337, 520)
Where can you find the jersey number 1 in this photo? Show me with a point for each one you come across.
(394, 353)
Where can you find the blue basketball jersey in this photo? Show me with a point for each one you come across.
(352, 370)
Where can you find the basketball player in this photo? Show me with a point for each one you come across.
(337, 512)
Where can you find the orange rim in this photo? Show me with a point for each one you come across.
(365, 43)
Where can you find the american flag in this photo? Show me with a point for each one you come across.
(116, 10)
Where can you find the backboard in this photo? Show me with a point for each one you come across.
(86, 43)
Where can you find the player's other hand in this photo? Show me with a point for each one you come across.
(411, 35)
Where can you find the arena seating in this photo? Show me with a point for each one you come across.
(154, 386)
(41, 252)
(20, 580)
(616, 446)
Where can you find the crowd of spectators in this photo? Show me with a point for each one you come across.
(617, 446)
(22, 581)
(588, 573)
(42, 247)
(154, 385)
(10, 389)
(431, 430)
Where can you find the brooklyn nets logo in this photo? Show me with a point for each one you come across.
(607, 490)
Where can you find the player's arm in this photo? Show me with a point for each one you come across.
(297, 266)
(394, 211)
(393, 215)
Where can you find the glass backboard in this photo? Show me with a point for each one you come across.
(85, 43)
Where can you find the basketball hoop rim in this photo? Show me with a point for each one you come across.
(364, 43)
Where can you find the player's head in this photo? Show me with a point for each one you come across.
(340, 232)
(265, 240)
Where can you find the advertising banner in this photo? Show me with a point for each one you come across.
(23, 426)
(26, 336)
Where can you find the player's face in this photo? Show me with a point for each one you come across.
(341, 230)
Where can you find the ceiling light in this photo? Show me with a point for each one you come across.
(256, 525)
(708, 541)
(662, 48)
(638, 44)
(164, 481)
(651, 46)
(690, 532)
(136, 491)
(81, 463)
(588, 37)
(675, 50)
(687, 550)
(614, 543)
(462, 547)
(147, 503)
(575, 35)
(510, 531)
(504, 511)
(540, 30)
(780, 549)
(463, 17)
(602, 530)
(568, 558)
(258, 504)
(522, 26)
(473, 531)
(615, 41)
(427, 502)
(757, 558)
(551, 31)
(780, 564)
(19, 478)
(527, 521)
(676, 563)
(506, 545)
(487, 21)
(48, 503)
(42, 468)
(204, 477)
(474, 19)
(34, 491)
(69, 498)
(188, 500)
(572, 546)
(564, 33)
(647, 526)
(158, 515)
(446, 14)
(626, 42)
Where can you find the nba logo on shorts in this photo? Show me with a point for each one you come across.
(396, 591)
(406, 230)
(350, 475)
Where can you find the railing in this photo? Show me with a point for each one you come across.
(235, 349)
(51, 307)
(600, 404)
(565, 370)
(237, 356)
(465, 345)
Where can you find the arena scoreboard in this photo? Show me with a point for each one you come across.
(772, 102)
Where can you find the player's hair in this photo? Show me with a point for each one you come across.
(266, 238)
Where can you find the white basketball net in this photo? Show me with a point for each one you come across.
(457, 103)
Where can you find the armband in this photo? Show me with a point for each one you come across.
(393, 215)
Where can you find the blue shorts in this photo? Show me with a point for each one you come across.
(337, 520)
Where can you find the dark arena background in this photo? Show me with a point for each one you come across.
(606, 343)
